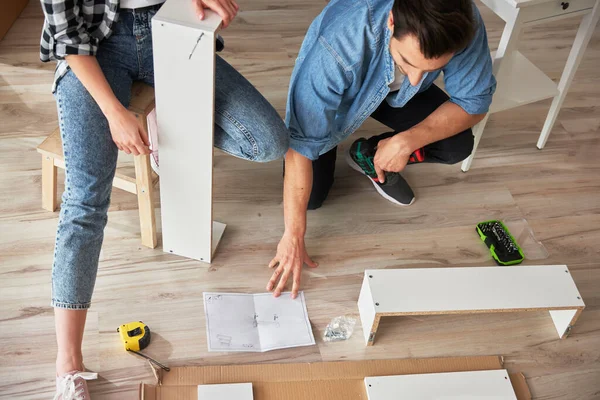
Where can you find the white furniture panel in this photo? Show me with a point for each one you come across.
(427, 291)
(471, 385)
(184, 72)
(233, 391)
(528, 84)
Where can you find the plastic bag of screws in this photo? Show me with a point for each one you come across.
(340, 328)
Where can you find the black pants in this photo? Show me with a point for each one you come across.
(447, 151)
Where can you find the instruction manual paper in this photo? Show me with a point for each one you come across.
(256, 322)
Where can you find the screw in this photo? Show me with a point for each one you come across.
(578, 298)
(370, 276)
(376, 304)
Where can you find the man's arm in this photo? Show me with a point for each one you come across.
(470, 84)
(291, 250)
(448, 120)
(316, 90)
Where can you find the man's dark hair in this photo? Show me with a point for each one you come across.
(441, 26)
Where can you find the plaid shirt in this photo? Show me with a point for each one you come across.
(74, 27)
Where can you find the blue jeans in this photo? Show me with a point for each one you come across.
(246, 126)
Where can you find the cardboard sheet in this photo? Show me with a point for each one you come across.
(342, 380)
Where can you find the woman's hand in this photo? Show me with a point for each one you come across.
(127, 132)
(227, 9)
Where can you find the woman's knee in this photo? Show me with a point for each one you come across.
(86, 203)
(273, 146)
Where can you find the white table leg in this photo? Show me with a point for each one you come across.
(508, 43)
(509, 40)
(477, 132)
(584, 33)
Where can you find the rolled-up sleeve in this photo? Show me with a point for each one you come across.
(316, 91)
(65, 31)
(468, 77)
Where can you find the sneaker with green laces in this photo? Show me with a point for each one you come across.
(395, 188)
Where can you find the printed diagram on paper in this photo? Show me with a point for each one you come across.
(256, 322)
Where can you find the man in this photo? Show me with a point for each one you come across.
(379, 58)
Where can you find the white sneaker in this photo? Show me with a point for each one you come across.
(73, 385)
(153, 138)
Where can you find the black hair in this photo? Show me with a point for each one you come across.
(441, 26)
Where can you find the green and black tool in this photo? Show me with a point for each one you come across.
(503, 247)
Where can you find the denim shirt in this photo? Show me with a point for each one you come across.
(344, 68)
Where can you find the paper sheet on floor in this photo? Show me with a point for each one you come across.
(256, 322)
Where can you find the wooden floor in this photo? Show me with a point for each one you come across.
(555, 191)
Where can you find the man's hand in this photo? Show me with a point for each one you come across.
(127, 132)
(392, 155)
(227, 9)
(291, 256)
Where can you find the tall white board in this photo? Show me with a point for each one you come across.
(184, 74)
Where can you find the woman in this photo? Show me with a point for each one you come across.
(102, 46)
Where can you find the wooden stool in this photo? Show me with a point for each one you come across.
(142, 103)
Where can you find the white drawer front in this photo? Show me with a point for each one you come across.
(555, 8)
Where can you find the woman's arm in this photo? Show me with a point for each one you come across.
(127, 132)
(70, 40)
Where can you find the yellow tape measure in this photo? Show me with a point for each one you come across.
(135, 337)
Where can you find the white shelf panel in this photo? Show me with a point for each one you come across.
(520, 83)
(436, 291)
